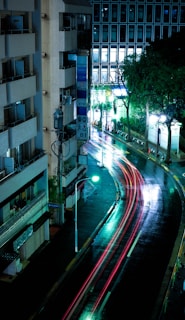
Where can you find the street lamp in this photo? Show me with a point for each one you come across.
(93, 179)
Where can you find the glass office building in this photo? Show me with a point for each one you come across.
(122, 27)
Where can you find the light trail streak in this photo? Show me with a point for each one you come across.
(133, 182)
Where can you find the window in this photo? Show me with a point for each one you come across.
(105, 13)
(131, 33)
(96, 33)
(96, 55)
(166, 13)
(122, 54)
(114, 33)
(149, 13)
(157, 33)
(123, 13)
(174, 13)
(113, 73)
(157, 13)
(130, 51)
(95, 75)
(96, 12)
(165, 32)
(114, 13)
(182, 16)
(140, 34)
(122, 33)
(104, 55)
(174, 29)
(148, 33)
(140, 13)
(104, 74)
(105, 33)
(113, 54)
(132, 13)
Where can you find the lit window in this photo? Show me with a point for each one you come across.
(104, 55)
(104, 74)
(113, 52)
(96, 55)
(95, 75)
(113, 73)
(122, 54)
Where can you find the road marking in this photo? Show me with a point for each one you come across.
(133, 245)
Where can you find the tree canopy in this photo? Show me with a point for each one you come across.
(157, 76)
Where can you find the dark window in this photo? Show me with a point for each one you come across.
(114, 13)
(96, 12)
(140, 34)
(140, 13)
(122, 33)
(105, 33)
(157, 13)
(105, 13)
(149, 13)
(96, 33)
(166, 13)
(123, 13)
(132, 13)
(182, 14)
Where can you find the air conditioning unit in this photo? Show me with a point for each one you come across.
(2, 174)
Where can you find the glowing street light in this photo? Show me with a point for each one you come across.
(93, 179)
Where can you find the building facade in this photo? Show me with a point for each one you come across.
(122, 27)
(66, 42)
(24, 219)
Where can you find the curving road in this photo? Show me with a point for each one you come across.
(116, 247)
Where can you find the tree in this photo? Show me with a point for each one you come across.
(156, 82)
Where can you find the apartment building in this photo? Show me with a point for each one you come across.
(66, 43)
(24, 219)
(122, 27)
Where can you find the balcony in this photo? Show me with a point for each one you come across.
(70, 176)
(4, 142)
(22, 5)
(3, 94)
(21, 89)
(68, 40)
(2, 46)
(67, 76)
(14, 225)
(15, 47)
(69, 148)
(22, 175)
(22, 132)
(68, 115)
